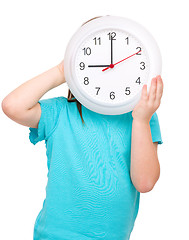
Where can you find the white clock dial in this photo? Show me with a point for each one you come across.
(107, 62)
(123, 79)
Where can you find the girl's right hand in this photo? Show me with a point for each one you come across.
(61, 69)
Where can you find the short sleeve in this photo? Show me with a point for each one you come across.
(50, 111)
(155, 129)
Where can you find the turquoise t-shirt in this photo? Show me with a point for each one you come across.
(89, 193)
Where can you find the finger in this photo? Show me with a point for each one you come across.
(159, 91)
(144, 94)
(152, 92)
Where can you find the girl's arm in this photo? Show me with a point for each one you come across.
(21, 105)
(145, 168)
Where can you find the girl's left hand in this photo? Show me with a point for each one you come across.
(149, 103)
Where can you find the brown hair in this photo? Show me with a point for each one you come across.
(70, 95)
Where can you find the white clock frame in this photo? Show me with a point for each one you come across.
(105, 22)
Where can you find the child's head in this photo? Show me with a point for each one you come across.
(90, 20)
(70, 95)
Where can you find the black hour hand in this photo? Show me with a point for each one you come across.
(98, 65)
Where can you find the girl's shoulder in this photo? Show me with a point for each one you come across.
(61, 99)
(54, 102)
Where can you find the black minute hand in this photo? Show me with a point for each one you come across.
(111, 50)
(98, 65)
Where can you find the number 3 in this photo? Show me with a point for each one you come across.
(143, 65)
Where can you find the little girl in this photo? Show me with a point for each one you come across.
(97, 164)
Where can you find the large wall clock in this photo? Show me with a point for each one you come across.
(107, 61)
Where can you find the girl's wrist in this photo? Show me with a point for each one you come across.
(60, 79)
(142, 115)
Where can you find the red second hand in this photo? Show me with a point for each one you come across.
(112, 65)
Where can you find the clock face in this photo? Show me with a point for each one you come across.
(111, 66)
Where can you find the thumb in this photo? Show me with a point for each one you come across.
(144, 94)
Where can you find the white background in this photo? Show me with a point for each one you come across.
(34, 35)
